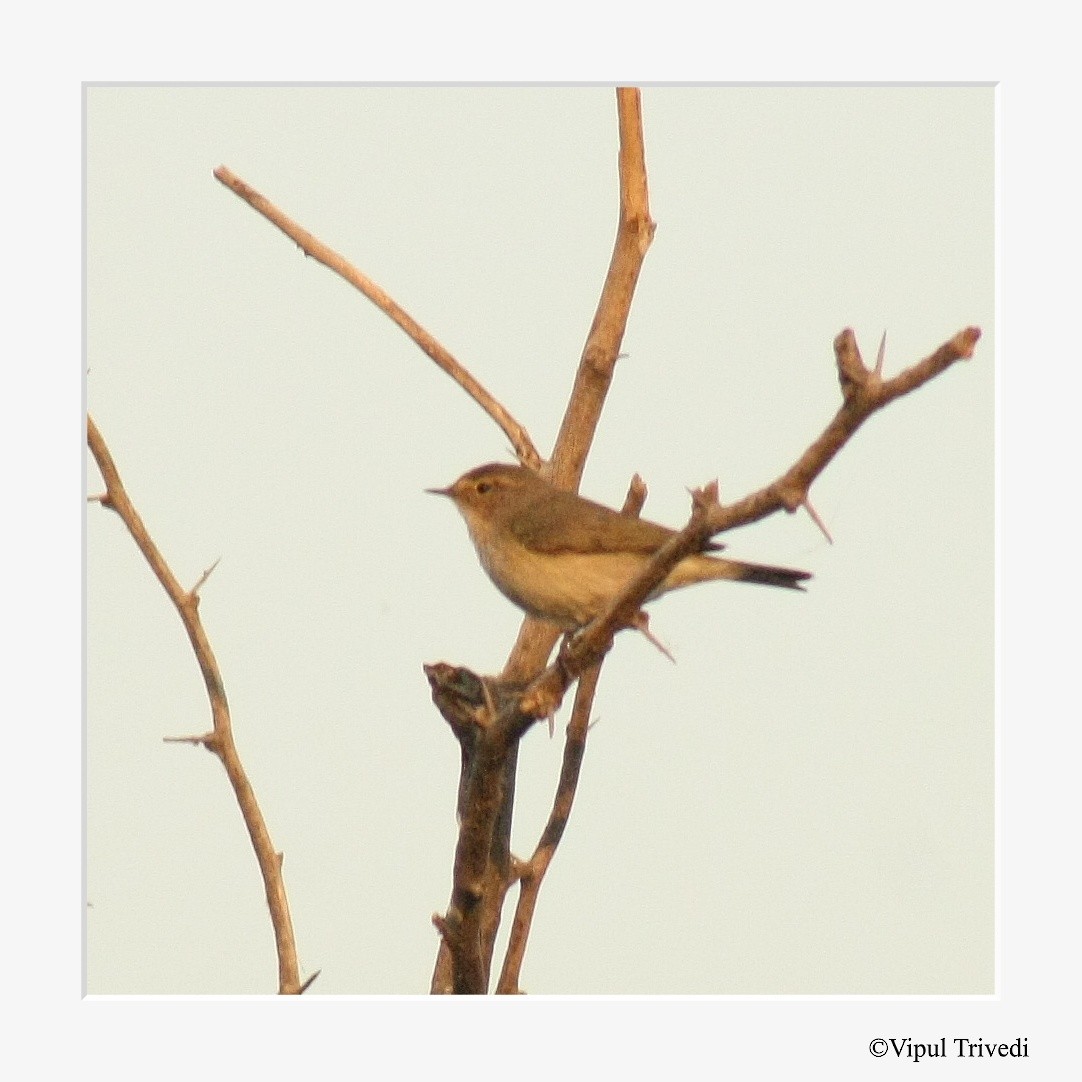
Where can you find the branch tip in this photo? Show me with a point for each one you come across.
(852, 372)
(636, 496)
(705, 499)
(194, 591)
(966, 341)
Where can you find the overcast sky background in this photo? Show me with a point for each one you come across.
(805, 802)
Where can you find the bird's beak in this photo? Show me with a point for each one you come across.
(439, 491)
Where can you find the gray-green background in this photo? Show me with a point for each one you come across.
(805, 802)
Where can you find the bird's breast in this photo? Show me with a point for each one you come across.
(566, 588)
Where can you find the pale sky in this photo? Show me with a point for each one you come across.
(805, 802)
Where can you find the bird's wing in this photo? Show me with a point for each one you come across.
(579, 525)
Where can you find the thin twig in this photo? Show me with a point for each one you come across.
(220, 741)
(531, 874)
(312, 246)
(864, 393)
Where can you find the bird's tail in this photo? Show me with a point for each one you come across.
(703, 568)
(768, 576)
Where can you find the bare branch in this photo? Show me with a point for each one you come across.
(466, 960)
(635, 231)
(531, 873)
(864, 392)
(633, 236)
(311, 246)
(220, 741)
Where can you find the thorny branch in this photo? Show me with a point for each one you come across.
(220, 739)
(863, 391)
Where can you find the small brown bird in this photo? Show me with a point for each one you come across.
(563, 558)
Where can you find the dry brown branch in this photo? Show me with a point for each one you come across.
(220, 740)
(633, 236)
(311, 246)
(634, 232)
(531, 874)
(864, 392)
(484, 832)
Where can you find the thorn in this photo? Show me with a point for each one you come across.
(308, 983)
(203, 578)
(101, 497)
(207, 740)
(635, 498)
(816, 519)
(641, 622)
(880, 355)
(552, 724)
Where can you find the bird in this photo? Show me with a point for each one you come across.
(563, 558)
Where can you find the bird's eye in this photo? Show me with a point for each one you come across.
(483, 487)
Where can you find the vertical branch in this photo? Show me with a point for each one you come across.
(634, 234)
(220, 739)
(533, 872)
